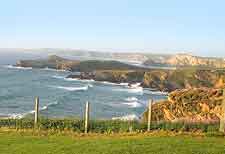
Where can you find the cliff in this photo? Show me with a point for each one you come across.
(184, 60)
(163, 80)
(189, 105)
(114, 71)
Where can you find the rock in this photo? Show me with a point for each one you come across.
(189, 105)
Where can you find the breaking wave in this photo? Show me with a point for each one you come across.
(129, 117)
(134, 104)
(58, 77)
(72, 88)
(111, 83)
(71, 79)
(131, 90)
(22, 115)
(17, 67)
(129, 99)
(155, 92)
(135, 85)
(52, 69)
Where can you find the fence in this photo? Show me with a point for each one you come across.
(108, 126)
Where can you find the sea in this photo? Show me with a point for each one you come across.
(61, 97)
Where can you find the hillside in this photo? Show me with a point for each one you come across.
(57, 62)
(183, 60)
(189, 105)
(148, 59)
(115, 71)
(163, 80)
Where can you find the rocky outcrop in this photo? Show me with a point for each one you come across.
(189, 105)
(169, 80)
(56, 62)
(52, 61)
(163, 80)
(114, 76)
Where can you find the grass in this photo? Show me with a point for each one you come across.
(27, 142)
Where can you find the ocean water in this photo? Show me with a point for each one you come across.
(62, 98)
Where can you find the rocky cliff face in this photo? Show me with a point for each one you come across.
(189, 105)
(186, 60)
(114, 71)
(169, 80)
(163, 80)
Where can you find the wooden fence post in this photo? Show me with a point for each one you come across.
(36, 110)
(86, 122)
(149, 113)
(222, 119)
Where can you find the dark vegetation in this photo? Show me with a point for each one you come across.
(56, 62)
(106, 126)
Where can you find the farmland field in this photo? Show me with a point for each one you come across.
(26, 143)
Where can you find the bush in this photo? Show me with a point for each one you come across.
(106, 126)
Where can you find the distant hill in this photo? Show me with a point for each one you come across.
(60, 63)
(147, 59)
(184, 60)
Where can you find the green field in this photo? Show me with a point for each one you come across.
(26, 143)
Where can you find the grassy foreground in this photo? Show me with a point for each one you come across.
(26, 143)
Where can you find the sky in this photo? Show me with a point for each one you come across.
(154, 26)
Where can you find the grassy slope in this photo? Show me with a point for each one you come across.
(15, 143)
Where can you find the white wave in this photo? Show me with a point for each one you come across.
(22, 115)
(76, 79)
(127, 117)
(71, 79)
(131, 90)
(86, 80)
(155, 92)
(13, 116)
(17, 67)
(135, 85)
(124, 84)
(58, 77)
(130, 99)
(136, 90)
(116, 84)
(52, 69)
(134, 104)
(47, 106)
(72, 88)
(109, 83)
(48, 69)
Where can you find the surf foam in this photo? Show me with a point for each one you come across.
(130, 99)
(130, 117)
(17, 67)
(134, 104)
(72, 88)
(22, 115)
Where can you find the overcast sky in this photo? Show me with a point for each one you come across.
(163, 26)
